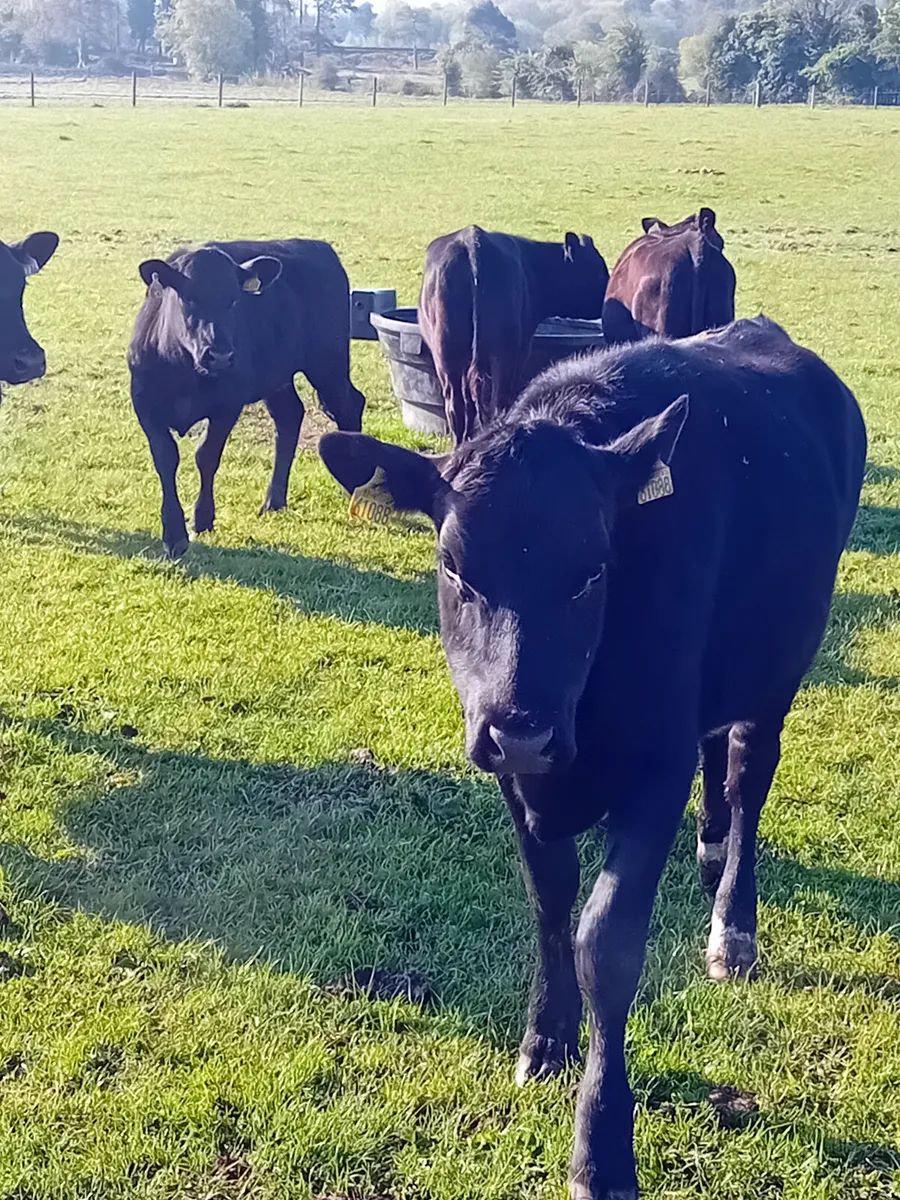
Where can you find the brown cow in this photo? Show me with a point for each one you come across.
(483, 296)
(675, 280)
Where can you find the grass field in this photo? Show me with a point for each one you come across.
(192, 846)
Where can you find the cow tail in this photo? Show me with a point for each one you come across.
(477, 385)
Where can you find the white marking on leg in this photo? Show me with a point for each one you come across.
(730, 951)
(711, 852)
(523, 1070)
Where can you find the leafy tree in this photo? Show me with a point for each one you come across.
(361, 21)
(210, 36)
(847, 69)
(260, 41)
(486, 25)
(479, 71)
(326, 11)
(141, 22)
(57, 30)
(661, 76)
(624, 58)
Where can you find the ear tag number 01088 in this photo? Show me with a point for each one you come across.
(373, 501)
(658, 485)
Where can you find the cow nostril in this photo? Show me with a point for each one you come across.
(520, 747)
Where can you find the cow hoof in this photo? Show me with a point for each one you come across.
(731, 954)
(270, 506)
(542, 1058)
(178, 550)
(204, 525)
(711, 858)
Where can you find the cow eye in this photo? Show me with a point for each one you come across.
(587, 584)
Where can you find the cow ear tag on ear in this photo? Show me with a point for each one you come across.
(658, 485)
(373, 501)
(156, 289)
(252, 285)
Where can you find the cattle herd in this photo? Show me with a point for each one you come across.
(636, 553)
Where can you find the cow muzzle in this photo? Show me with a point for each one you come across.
(26, 365)
(506, 749)
(215, 362)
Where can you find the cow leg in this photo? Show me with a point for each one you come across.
(164, 450)
(208, 457)
(286, 410)
(337, 395)
(713, 812)
(554, 1009)
(753, 754)
(609, 955)
(454, 395)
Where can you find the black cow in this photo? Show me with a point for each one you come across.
(21, 358)
(224, 326)
(483, 296)
(637, 559)
(675, 281)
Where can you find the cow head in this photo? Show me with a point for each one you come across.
(524, 515)
(21, 358)
(584, 279)
(203, 294)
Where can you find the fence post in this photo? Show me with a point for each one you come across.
(221, 87)
(512, 92)
(708, 90)
(875, 98)
(300, 90)
(757, 99)
(374, 90)
(578, 95)
(415, 55)
(32, 89)
(812, 96)
(134, 89)
(446, 89)
(646, 93)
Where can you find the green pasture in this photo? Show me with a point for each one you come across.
(227, 784)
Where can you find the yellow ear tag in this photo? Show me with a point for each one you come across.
(252, 285)
(658, 485)
(372, 501)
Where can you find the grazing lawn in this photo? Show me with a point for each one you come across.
(229, 783)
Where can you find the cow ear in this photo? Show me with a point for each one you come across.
(259, 273)
(644, 453)
(706, 220)
(156, 273)
(412, 482)
(653, 225)
(36, 251)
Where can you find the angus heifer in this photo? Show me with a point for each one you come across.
(675, 280)
(483, 296)
(222, 327)
(21, 358)
(637, 558)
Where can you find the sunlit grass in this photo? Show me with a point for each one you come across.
(192, 843)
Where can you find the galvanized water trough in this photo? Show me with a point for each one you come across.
(412, 367)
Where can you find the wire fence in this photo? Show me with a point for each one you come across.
(32, 90)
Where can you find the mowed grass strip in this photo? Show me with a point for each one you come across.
(227, 784)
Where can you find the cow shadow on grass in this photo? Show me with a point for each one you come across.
(340, 866)
(325, 870)
(313, 585)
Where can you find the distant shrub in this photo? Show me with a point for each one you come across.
(479, 72)
(325, 74)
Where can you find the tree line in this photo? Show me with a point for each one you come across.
(546, 49)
